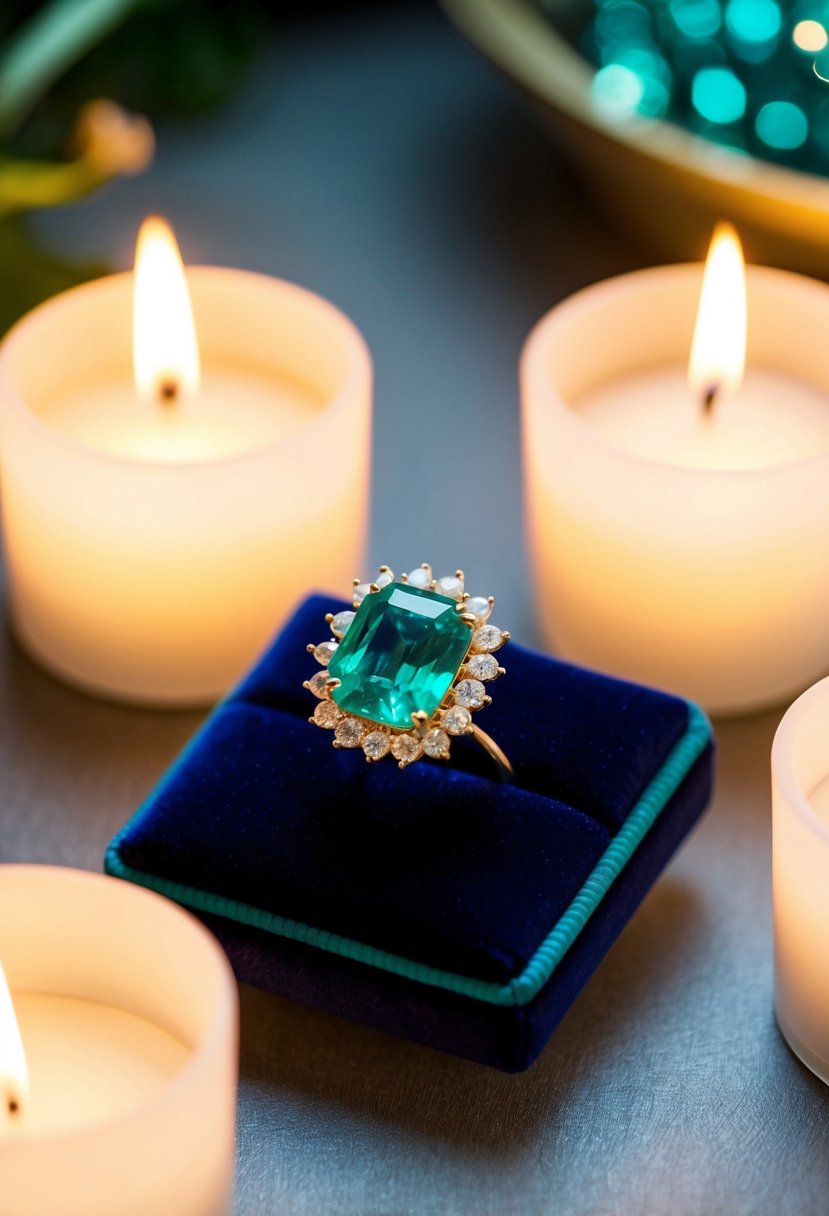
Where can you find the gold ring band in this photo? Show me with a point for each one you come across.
(505, 769)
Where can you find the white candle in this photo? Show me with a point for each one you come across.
(681, 547)
(154, 545)
(800, 805)
(127, 1019)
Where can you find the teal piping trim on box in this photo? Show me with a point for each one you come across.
(539, 969)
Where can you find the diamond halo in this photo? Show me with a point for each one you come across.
(415, 661)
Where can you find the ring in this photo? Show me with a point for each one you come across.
(405, 670)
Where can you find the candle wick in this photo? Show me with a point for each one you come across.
(13, 1105)
(168, 391)
(708, 398)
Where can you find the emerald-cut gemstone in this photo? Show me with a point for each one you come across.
(400, 655)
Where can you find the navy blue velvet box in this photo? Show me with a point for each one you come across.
(434, 903)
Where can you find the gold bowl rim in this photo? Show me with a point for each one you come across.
(517, 37)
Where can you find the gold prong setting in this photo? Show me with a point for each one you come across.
(339, 624)
(429, 735)
(361, 590)
(319, 685)
(326, 714)
(350, 731)
(323, 652)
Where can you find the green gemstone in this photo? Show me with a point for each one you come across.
(400, 655)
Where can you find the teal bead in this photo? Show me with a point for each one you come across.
(401, 653)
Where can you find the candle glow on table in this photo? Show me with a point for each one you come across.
(800, 871)
(117, 1052)
(679, 513)
(175, 479)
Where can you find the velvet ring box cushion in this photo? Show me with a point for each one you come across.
(434, 903)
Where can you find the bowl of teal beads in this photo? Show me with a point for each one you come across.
(680, 112)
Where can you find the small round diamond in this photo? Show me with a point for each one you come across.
(349, 732)
(327, 715)
(470, 694)
(482, 667)
(376, 744)
(363, 589)
(323, 652)
(340, 623)
(456, 720)
(436, 744)
(453, 587)
(421, 578)
(318, 685)
(406, 748)
(479, 607)
(488, 637)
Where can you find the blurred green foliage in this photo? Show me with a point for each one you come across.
(165, 57)
(152, 57)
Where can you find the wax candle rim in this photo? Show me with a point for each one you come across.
(538, 386)
(221, 1024)
(357, 377)
(782, 753)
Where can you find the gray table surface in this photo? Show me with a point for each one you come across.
(373, 157)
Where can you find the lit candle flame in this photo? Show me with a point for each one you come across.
(165, 350)
(718, 351)
(14, 1075)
